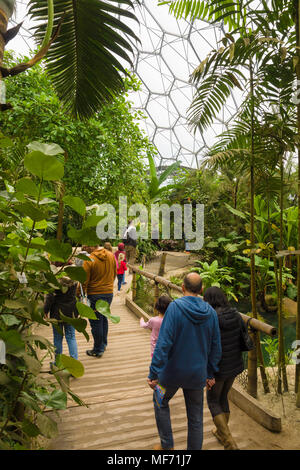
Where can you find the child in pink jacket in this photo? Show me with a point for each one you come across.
(154, 323)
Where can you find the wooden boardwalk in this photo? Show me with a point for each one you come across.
(120, 413)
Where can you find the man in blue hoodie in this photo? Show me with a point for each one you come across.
(186, 356)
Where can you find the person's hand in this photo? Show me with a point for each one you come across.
(210, 383)
(152, 383)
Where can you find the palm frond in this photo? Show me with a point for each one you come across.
(168, 171)
(84, 61)
(226, 11)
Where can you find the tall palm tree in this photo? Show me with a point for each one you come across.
(85, 60)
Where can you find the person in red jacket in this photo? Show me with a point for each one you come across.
(121, 268)
(121, 249)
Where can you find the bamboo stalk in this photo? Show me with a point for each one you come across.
(252, 355)
(263, 374)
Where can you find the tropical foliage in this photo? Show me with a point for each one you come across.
(108, 151)
(26, 260)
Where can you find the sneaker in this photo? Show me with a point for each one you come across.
(90, 352)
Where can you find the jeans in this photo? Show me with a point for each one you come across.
(69, 332)
(120, 280)
(123, 280)
(99, 327)
(217, 397)
(194, 410)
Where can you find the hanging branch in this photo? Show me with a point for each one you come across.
(39, 56)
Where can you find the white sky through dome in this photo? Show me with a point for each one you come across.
(170, 50)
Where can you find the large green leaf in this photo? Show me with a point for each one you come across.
(56, 399)
(46, 167)
(72, 365)
(46, 148)
(85, 311)
(103, 307)
(77, 273)
(30, 428)
(12, 340)
(46, 425)
(82, 61)
(59, 251)
(79, 324)
(86, 236)
(30, 210)
(76, 203)
(27, 186)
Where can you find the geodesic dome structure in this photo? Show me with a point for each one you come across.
(169, 51)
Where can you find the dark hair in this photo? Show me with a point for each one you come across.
(163, 303)
(215, 297)
(193, 283)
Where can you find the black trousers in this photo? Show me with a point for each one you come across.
(217, 399)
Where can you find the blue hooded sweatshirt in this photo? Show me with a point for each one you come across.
(188, 348)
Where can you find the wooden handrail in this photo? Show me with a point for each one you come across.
(252, 322)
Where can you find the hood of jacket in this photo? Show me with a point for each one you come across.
(228, 318)
(194, 308)
(100, 254)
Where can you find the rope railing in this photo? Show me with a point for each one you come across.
(253, 323)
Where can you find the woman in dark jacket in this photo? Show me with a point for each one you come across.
(63, 300)
(231, 364)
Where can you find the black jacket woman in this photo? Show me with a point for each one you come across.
(63, 301)
(231, 364)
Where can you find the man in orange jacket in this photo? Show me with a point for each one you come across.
(101, 272)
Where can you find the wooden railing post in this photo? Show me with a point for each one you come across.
(252, 367)
(133, 285)
(156, 295)
(161, 270)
